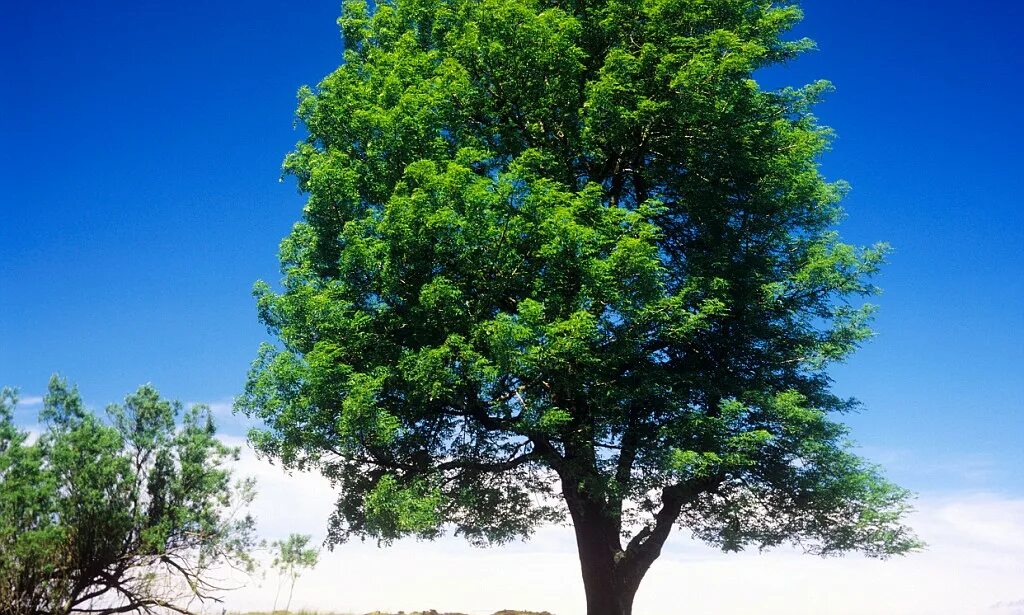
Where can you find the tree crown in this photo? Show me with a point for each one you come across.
(130, 514)
(570, 247)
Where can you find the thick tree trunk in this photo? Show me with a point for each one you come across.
(610, 576)
(608, 586)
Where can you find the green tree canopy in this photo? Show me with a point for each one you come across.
(134, 514)
(568, 256)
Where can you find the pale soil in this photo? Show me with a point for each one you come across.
(430, 612)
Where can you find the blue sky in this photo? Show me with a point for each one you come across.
(141, 145)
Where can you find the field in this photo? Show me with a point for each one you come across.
(430, 612)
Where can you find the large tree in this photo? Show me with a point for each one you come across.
(568, 256)
(135, 514)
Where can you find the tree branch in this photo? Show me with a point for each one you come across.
(646, 545)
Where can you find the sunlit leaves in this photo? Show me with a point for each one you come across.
(393, 510)
(568, 243)
(122, 509)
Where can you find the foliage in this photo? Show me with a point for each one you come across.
(571, 253)
(129, 514)
(291, 557)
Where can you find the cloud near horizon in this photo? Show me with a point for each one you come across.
(973, 565)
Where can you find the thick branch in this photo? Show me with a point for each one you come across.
(627, 456)
(645, 547)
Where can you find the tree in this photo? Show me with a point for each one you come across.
(134, 514)
(32, 547)
(291, 558)
(570, 256)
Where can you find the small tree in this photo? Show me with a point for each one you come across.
(33, 546)
(130, 515)
(568, 258)
(291, 557)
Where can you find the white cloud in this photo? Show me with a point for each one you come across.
(974, 565)
(224, 415)
(30, 401)
(1009, 607)
(221, 408)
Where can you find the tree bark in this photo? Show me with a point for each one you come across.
(607, 580)
(610, 576)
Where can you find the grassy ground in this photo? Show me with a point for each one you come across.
(431, 612)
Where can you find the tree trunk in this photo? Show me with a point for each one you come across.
(290, 590)
(610, 576)
(280, 580)
(609, 587)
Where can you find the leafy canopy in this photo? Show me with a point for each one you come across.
(569, 254)
(134, 513)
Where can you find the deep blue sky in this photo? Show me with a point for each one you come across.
(141, 145)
